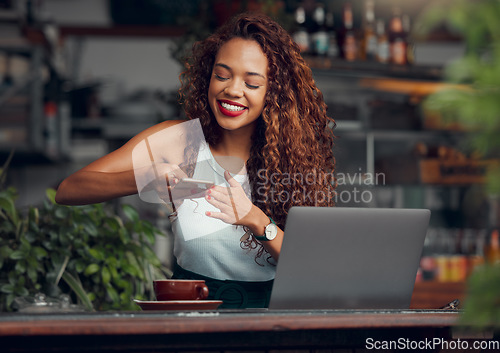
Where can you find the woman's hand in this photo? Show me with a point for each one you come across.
(164, 177)
(233, 203)
(236, 208)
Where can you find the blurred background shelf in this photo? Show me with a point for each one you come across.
(435, 295)
(123, 31)
(369, 69)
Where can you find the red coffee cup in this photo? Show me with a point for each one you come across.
(180, 289)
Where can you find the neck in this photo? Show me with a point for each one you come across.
(235, 144)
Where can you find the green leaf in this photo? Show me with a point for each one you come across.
(96, 278)
(51, 195)
(7, 288)
(148, 231)
(21, 282)
(34, 215)
(76, 286)
(48, 245)
(113, 294)
(96, 254)
(39, 252)
(62, 212)
(151, 256)
(124, 235)
(114, 223)
(79, 265)
(20, 266)
(112, 261)
(106, 275)
(5, 251)
(61, 270)
(18, 255)
(22, 292)
(7, 204)
(32, 274)
(31, 236)
(25, 246)
(90, 228)
(131, 213)
(91, 269)
(114, 272)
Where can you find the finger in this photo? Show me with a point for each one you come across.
(230, 179)
(232, 183)
(221, 205)
(179, 173)
(235, 211)
(220, 193)
(171, 172)
(224, 202)
(219, 190)
(218, 215)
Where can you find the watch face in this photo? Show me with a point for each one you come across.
(271, 231)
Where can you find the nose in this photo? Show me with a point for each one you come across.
(234, 88)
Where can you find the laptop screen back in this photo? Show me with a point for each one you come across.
(349, 258)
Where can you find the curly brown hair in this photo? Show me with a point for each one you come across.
(291, 160)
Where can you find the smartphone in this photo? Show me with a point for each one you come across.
(193, 184)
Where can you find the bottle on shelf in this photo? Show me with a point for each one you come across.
(7, 80)
(368, 45)
(301, 35)
(397, 38)
(445, 249)
(348, 41)
(492, 248)
(428, 258)
(475, 250)
(51, 142)
(382, 55)
(458, 259)
(333, 48)
(320, 35)
(410, 44)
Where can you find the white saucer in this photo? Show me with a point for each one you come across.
(178, 304)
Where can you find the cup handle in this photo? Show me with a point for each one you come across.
(202, 291)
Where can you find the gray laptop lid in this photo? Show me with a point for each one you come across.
(349, 258)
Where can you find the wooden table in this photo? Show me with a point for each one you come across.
(223, 330)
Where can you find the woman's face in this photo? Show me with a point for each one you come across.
(238, 84)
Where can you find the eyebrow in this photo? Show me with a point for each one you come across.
(248, 72)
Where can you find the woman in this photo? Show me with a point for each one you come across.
(256, 101)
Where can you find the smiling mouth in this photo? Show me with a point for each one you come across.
(230, 109)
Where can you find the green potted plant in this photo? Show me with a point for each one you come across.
(102, 260)
(473, 102)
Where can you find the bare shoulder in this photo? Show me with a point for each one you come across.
(169, 123)
(159, 127)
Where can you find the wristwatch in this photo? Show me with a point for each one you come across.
(270, 232)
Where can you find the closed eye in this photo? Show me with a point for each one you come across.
(220, 78)
(251, 86)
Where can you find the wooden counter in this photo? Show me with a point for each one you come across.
(223, 330)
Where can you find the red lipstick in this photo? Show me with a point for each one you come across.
(231, 113)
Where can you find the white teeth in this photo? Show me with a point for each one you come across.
(230, 107)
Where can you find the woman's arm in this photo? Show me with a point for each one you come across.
(257, 222)
(109, 177)
(88, 186)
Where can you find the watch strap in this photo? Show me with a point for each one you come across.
(263, 237)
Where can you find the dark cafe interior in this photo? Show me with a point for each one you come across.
(412, 91)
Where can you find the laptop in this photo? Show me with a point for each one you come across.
(349, 258)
